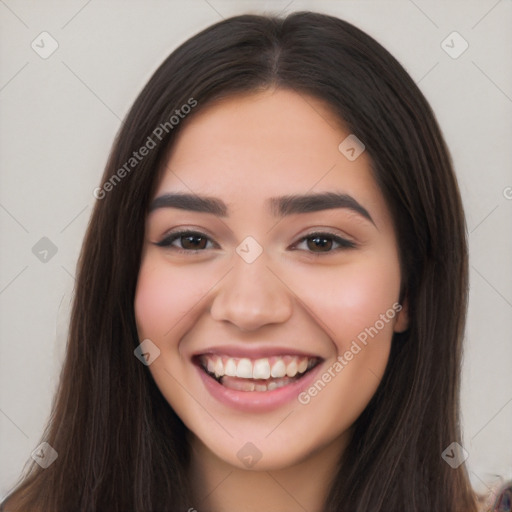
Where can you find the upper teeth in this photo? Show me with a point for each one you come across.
(264, 368)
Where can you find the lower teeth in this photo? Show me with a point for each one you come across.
(239, 384)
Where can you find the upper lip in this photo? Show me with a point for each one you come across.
(239, 351)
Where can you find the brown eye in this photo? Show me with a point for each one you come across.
(322, 243)
(318, 243)
(186, 241)
(193, 242)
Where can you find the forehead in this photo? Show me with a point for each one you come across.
(259, 123)
(265, 144)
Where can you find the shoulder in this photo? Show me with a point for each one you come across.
(499, 499)
(503, 501)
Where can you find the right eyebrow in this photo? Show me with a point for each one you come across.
(191, 202)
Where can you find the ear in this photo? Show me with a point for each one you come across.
(402, 316)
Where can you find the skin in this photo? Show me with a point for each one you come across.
(244, 150)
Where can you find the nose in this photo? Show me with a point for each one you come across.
(251, 296)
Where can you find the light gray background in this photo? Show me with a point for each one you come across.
(59, 117)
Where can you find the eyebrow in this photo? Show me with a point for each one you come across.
(279, 206)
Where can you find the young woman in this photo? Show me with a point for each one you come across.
(271, 293)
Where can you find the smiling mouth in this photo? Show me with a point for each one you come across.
(262, 374)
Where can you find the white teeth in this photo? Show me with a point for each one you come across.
(303, 365)
(261, 369)
(244, 369)
(219, 368)
(291, 369)
(248, 386)
(230, 368)
(275, 367)
(278, 369)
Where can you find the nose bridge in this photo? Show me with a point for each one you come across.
(251, 296)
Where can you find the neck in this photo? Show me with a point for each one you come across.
(220, 487)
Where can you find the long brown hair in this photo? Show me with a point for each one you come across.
(120, 445)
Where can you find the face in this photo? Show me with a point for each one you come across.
(272, 305)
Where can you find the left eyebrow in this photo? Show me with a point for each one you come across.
(288, 205)
(279, 206)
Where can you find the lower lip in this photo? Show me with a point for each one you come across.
(260, 401)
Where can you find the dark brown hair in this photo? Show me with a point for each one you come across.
(120, 445)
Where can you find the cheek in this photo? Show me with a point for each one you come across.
(354, 304)
(153, 304)
(351, 299)
(163, 298)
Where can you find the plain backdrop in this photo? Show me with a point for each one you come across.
(59, 116)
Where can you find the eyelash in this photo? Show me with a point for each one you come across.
(170, 238)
